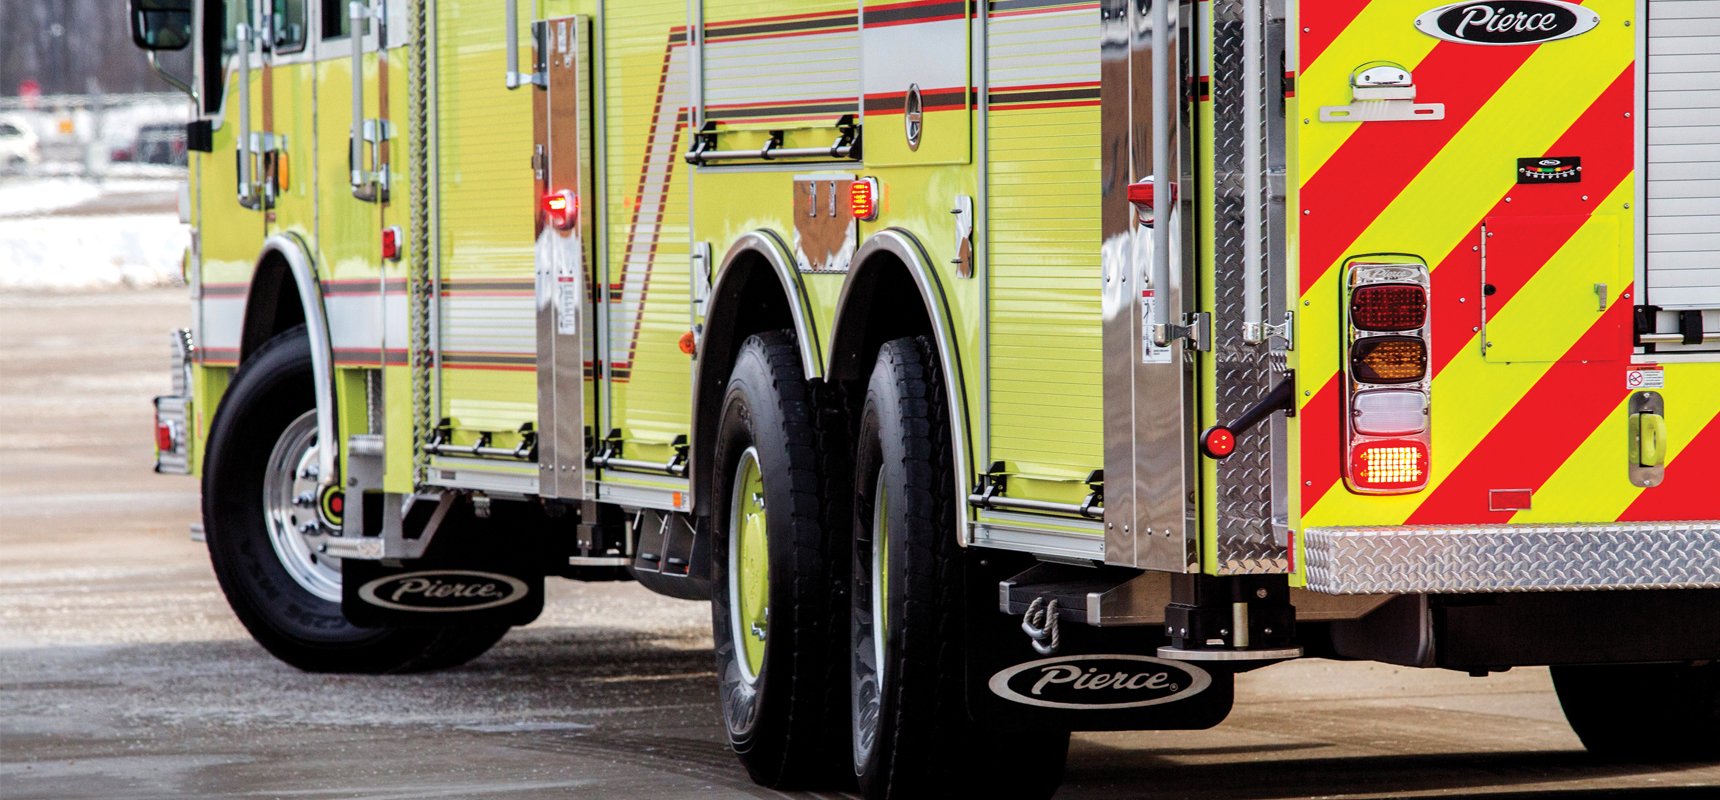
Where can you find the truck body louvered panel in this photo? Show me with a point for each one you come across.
(1683, 154)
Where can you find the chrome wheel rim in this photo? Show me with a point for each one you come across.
(871, 628)
(749, 568)
(290, 509)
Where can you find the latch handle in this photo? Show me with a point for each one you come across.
(1219, 441)
(1651, 439)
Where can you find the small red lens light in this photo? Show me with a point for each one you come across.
(1219, 442)
(1388, 307)
(863, 199)
(391, 243)
(165, 440)
(1389, 465)
(562, 208)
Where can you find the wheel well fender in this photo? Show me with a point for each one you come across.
(285, 293)
(891, 271)
(757, 288)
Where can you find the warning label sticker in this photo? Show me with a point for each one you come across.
(1645, 377)
(1151, 351)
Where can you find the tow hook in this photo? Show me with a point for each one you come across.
(1219, 441)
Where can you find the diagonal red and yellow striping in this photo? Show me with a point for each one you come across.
(1552, 420)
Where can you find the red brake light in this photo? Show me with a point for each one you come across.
(863, 199)
(391, 243)
(1388, 307)
(562, 209)
(1389, 465)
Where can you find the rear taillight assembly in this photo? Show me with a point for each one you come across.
(561, 209)
(1387, 397)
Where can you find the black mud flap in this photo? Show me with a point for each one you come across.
(476, 572)
(1099, 679)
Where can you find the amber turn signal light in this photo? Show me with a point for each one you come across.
(1388, 359)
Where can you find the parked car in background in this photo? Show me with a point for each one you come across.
(161, 143)
(19, 146)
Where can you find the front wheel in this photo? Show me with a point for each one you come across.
(259, 501)
(1643, 712)
(911, 733)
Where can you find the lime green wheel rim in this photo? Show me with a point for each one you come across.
(749, 566)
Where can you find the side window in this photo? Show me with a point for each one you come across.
(336, 19)
(289, 22)
(220, 42)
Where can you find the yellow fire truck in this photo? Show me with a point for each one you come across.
(1132, 344)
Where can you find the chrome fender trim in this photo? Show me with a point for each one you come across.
(904, 247)
(774, 250)
(291, 250)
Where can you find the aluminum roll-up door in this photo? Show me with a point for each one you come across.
(1683, 154)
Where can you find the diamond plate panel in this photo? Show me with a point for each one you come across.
(1242, 371)
(1683, 555)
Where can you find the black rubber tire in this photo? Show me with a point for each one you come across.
(1643, 712)
(924, 743)
(788, 727)
(270, 390)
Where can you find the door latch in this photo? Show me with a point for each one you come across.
(1648, 439)
(1382, 91)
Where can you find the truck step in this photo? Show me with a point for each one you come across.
(1099, 596)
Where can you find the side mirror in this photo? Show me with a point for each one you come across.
(161, 24)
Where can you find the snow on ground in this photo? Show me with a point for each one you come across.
(91, 252)
(29, 197)
(66, 233)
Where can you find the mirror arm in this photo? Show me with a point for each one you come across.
(173, 80)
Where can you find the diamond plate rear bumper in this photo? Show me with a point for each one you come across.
(1527, 558)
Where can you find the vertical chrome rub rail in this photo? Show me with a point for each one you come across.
(1164, 95)
(357, 13)
(1253, 167)
(242, 34)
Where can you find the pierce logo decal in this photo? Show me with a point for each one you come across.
(1507, 22)
(1099, 682)
(443, 591)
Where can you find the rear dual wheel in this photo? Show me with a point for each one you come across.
(1643, 712)
(911, 733)
(777, 594)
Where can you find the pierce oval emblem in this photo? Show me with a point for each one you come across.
(1507, 22)
(443, 591)
(1099, 682)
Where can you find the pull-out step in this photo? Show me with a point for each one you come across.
(1098, 596)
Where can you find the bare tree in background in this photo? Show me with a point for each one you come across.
(75, 47)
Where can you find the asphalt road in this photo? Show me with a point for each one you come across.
(122, 673)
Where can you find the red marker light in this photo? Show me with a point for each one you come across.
(863, 199)
(166, 439)
(562, 208)
(1217, 442)
(1390, 465)
(391, 243)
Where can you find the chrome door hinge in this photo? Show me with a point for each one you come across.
(1263, 332)
(1196, 329)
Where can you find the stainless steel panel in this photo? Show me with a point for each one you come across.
(1150, 473)
(1681, 130)
(562, 119)
(1681, 555)
(1244, 370)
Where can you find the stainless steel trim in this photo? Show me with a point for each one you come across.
(775, 251)
(1040, 541)
(905, 248)
(1245, 537)
(1274, 654)
(1149, 394)
(661, 499)
(1518, 558)
(293, 251)
(247, 191)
